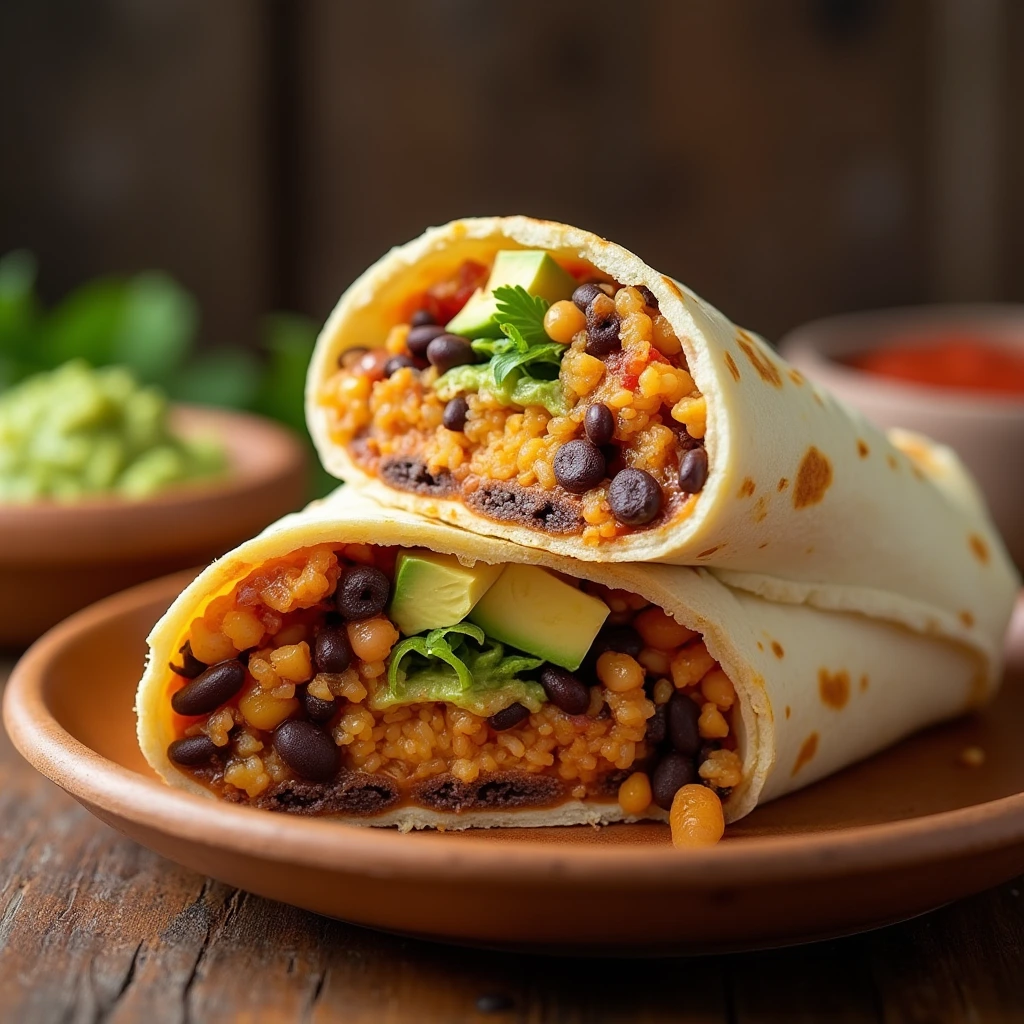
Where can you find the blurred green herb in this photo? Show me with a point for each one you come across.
(149, 323)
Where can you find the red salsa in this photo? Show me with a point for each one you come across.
(948, 360)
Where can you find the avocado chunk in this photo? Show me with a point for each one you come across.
(534, 269)
(434, 590)
(533, 610)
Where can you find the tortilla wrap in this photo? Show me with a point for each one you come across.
(804, 497)
(817, 690)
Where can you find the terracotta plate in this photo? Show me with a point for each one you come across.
(893, 837)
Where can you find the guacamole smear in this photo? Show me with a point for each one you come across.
(517, 389)
(75, 432)
(459, 665)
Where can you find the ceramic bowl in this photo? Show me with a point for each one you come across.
(887, 839)
(56, 558)
(986, 429)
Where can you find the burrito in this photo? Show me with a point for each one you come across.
(531, 381)
(383, 668)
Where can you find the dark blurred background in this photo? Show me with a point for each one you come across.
(785, 158)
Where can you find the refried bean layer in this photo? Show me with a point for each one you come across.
(277, 701)
(605, 440)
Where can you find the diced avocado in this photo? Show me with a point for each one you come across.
(433, 590)
(534, 269)
(534, 610)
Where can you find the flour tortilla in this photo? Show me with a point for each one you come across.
(805, 498)
(817, 689)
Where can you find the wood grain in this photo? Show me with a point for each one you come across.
(95, 928)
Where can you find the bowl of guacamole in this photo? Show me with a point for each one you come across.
(77, 432)
(104, 484)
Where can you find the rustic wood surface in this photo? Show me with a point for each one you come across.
(95, 928)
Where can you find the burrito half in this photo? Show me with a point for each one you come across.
(534, 382)
(386, 669)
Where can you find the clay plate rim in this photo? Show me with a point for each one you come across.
(96, 780)
(262, 457)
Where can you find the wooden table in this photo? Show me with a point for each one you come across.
(96, 928)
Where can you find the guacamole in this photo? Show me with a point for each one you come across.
(75, 432)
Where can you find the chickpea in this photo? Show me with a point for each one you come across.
(717, 688)
(656, 662)
(712, 724)
(563, 321)
(244, 629)
(293, 662)
(262, 711)
(635, 793)
(619, 672)
(660, 630)
(696, 817)
(691, 664)
(210, 645)
(664, 338)
(372, 639)
(663, 690)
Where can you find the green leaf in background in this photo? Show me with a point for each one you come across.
(18, 306)
(288, 339)
(84, 324)
(158, 326)
(228, 377)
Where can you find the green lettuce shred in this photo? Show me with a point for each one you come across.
(442, 666)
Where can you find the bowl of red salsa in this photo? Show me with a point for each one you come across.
(955, 373)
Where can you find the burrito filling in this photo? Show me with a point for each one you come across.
(537, 394)
(355, 679)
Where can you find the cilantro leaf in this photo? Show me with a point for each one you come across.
(503, 365)
(520, 315)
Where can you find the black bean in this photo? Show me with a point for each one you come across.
(602, 328)
(635, 497)
(331, 650)
(193, 751)
(455, 413)
(362, 592)
(307, 750)
(319, 710)
(213, 687)
(673, 772)
(508, 717)
(599, 423)
(190, 665)
(579, 465)
(684, 442)
(348, 359)
(648, 295)
(657, 726)
(683, 730)
(421, 336)
(396, 363)
(448, 350)
(693, 471)
(585, 295)
(422, 318)
(564, 690)
(623, 639)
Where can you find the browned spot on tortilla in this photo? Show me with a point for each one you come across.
(763, 545)
(783, 483)
(891, 460)
(864, 683)
(862, 449)
(796, 377)
(673, 288)
(760, 646)
(733, 368)
(834, 689)
(710, 551)
(766, 369)
(916, 470)
(789, 711)
(747, 488)
(813, 479)
(979, 548)
(967, 619)
(818, 398)
(777, 649)
(807, 751)
(761, 509)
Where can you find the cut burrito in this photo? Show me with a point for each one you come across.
(534, 382)
(386, 669)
